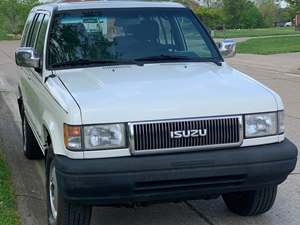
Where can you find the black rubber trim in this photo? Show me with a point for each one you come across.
(222, 157)
(174, 177)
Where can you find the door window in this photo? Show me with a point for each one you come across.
(41, 37)
(35, 29)
(26, 29)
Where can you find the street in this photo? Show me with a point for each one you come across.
(279, 72)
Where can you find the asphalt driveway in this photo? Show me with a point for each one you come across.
(279, 72)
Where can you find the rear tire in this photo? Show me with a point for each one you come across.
(60, 211)
(31, 147)
(251, 203)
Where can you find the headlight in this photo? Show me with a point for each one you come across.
(104, 136)
(263, 124)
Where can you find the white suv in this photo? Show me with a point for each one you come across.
(131, 103)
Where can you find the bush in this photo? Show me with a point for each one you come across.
(242, 14)
(234, 14)
(211, 17)
(251, 17)
(13, 14)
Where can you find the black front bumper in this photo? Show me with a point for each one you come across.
(174, 177)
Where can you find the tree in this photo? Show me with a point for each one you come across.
(9, 13)
(269, 12)
(284, 15)
(251, 17)
(233, 12)
(14, 14)
(213, 3)
(211, 17)
(242, 14)
(294, 7)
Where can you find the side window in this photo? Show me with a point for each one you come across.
(168, 37)
(34, 30)
(194, 41)
(42, 36)
(26, 29)
(165, 31)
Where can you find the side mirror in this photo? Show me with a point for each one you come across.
(27, 57)
(227, 48)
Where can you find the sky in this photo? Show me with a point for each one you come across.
(283, 4)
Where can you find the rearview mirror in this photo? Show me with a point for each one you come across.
(27, 57)
(227, 48)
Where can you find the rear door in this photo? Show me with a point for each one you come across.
(36, 39)
(26, 79)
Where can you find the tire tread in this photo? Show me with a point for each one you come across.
(251, 203)
(68, 213)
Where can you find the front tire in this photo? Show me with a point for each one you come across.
(60, 211)
(31, 147)
(251, 203)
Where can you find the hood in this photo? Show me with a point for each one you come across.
(164, 91)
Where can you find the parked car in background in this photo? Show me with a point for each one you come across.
(288, 24)
(131, 103)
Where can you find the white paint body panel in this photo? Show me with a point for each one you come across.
(116, 4)
(133, 93)
(164, 91)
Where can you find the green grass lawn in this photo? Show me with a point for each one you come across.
(267, 46)
(256, 32)
(8, 209)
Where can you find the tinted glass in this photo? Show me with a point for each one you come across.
(165, 28)
(26, 29)
(41, 37)
(128, 34)
(34, 30)
(193, 40)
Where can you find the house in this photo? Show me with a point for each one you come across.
(297, 22)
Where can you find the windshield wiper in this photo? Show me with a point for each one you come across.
(178, 58)
(215, 61)
(82, 62)
(163, 57)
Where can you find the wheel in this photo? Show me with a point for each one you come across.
(251, 203)
(31, 147)
(60, 211)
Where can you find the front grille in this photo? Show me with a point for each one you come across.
(174, 135)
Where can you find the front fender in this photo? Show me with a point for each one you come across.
(56, 134)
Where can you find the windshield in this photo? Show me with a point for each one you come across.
(109, 36)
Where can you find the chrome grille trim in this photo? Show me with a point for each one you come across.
(229, 134)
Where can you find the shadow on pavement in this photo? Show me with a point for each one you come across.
(27, 182)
